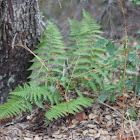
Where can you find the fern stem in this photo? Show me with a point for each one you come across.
(90, 71)
(69, 85)
(40, 60)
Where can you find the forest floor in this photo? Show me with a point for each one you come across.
(100, 122)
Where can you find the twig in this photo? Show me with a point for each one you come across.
(91, 71)
(132, 128)
(59, 3)
(15, 122)
(69, 85)
(71, 1)
(104, 11)
(125, 54)
(13, 42)
(135, 73)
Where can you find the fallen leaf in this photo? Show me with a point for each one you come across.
(121, 98)
(74, 121)
(37, 138)
(92, 116)
(85, 132)
(81, 116)
(103, 132)
(92, 131)
(108, 117)
(26, 138)
(91, 126)
(128, 138)
(98, 135)
(73, 126)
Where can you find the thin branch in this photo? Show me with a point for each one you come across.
(59, 3)
(125, 54)
(135, 73)
(91, 71)
(132, 128)
(13, 42)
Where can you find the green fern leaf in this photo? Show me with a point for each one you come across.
(52, 51)
(14, 107)
(73, 106)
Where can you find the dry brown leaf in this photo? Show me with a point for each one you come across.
(81, 116)
(37, 138)
(128, 138)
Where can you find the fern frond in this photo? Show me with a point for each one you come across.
(84, 37)
(14, 107)
(73, 107)
(52, 51)
(36, 94)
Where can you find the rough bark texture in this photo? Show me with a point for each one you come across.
(18, 24)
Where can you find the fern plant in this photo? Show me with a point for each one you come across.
(83, 37)
(73, 106)
(92, 60)
(48, 74)
(14, 107)
(52, 51)
(22, 98)
(135, 1)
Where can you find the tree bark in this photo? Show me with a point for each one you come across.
(18, 25)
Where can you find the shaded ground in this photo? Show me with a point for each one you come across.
(99, 122)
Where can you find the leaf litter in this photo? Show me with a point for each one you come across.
(94, 123)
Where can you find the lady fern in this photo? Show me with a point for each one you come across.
(14, 107)
(83, 36)
(52, 52)
(49, 81)
(73, 106)
(21, 99)
(37, 94)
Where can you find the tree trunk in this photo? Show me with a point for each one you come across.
(18, 25)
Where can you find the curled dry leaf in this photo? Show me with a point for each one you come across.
(128, 138)
(81, 116)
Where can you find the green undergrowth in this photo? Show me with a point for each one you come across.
(90, 62)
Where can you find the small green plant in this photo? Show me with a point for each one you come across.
(135, 1)
(132, 114)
